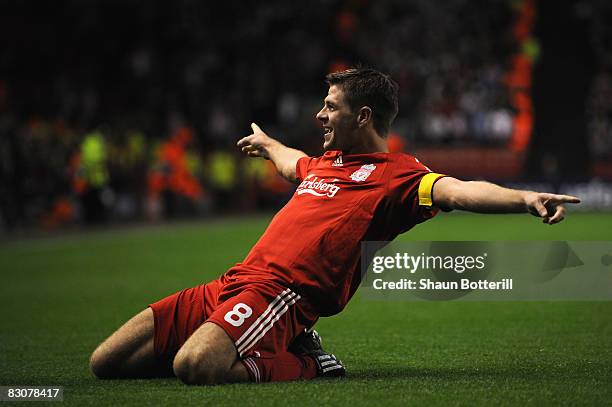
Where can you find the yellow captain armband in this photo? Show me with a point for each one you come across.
(426, 186)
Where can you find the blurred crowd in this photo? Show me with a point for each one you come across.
(54, 175)
(130, 110)
(599, 106)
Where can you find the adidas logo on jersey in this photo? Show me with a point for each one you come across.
(337, 162)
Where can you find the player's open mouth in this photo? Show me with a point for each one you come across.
(328, 131)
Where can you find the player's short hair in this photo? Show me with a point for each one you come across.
(369, 87)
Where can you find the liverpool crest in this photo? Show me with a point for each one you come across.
(363, 173)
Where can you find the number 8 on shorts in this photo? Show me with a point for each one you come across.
(238, 314)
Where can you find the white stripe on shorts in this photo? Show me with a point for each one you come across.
(262, 316)
(250, 364)
(266, 320)
(267, 324)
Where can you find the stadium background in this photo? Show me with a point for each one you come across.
(119, 118)
(129, 111)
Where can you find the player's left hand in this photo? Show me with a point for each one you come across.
(549, 207)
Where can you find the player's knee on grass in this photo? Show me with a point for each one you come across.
(197, 368)
(128, 352)
(206, 358)
(99, 365)
(104, 363)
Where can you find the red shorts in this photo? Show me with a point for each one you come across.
(262, 318)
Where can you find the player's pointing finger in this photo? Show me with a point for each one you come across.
(256, 128)
(562, 198)
(568, 198)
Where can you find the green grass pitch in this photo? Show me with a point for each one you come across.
(60, 296)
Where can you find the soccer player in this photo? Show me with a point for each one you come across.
(254, 322)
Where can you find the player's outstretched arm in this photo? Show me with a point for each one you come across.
(484, 197)
(259, 144)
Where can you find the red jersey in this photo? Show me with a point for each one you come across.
(313, 244)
